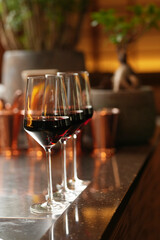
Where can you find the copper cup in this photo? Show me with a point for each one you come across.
(10, 127)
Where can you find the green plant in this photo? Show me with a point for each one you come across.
(125, 29)
(40, 24)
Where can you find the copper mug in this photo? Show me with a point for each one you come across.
(10, 128)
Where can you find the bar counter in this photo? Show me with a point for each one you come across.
(97, 213)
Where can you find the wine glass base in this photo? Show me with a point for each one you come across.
(64, 196)
(43, 208)
(78, 185)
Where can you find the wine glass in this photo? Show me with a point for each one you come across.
(74, 97)
(76, 183)
(46, 120)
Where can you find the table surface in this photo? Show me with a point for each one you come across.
(23, 181)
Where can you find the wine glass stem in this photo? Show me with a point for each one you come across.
(64, 166)
(49, 176)
(75, 157)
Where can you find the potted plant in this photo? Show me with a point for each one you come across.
(137, 107)
(123, 30)
(39, 34)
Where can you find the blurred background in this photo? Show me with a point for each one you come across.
(100, 55)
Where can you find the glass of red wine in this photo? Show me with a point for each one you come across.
(46, 119)
(76, 183)
(74, 99)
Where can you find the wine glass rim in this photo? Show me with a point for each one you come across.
(36, 77)
(73, 72)
(85, 71)
(50, 75)
(68, 73)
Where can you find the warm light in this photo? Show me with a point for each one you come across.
(103, 65)
(15, 152)
(93, 213)
(36, 198)
(8, 153)
(103, 156)
(103, 112)
(147, 65)
(69, 154)
(103, 153)
(39, 154)
(139, 64)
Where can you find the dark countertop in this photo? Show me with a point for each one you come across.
(23, 179)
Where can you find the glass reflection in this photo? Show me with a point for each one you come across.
(106, 173)
(67, 225)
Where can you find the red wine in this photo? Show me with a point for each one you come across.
(88, 113)
(47, 130)
(77, 119)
